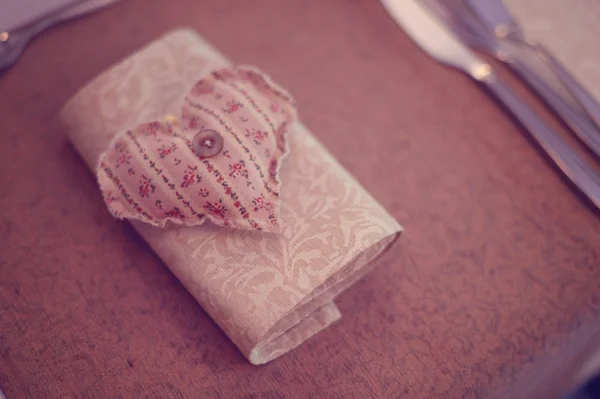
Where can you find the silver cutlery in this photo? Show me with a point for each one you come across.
(504, 26)
(439, 43)
(469, 29)
(12, 44)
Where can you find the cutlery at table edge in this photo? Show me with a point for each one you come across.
(12, 44)
(434, 38)
(497, 19)
(474, 34)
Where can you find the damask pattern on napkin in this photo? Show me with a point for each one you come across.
(268, 292)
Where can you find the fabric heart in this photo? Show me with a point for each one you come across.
(219, 160)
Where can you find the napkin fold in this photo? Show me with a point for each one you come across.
(268, 292)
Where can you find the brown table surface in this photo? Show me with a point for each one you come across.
(498, 266)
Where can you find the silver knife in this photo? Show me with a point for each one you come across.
(471, 31)
(12, 44)
(435, 40)
(505, 27)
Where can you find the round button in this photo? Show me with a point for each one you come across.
(207, 143)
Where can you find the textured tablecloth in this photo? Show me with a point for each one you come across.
(497, 273)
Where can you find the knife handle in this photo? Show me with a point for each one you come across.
(579, 123)
(571, 163)
(583, 97)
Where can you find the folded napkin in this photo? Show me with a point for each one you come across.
(268, 291)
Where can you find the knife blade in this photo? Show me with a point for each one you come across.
(427, 32)
(433, 38)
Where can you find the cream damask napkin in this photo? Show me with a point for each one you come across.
(268, 292)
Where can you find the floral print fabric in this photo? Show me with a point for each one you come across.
(152, 173)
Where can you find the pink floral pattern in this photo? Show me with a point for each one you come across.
(165, 150)
(151, 129)
(110, 197)
(124, 159)
(216, 208)
(238, 169)
(146, 188)
(238, 187)
(257, 136)
(175, 213)
(191, 176)
(261, 203)
(232, 106)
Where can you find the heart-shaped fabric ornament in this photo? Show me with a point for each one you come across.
(218, 160)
